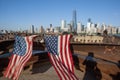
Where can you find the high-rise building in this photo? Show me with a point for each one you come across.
(88, 27)
(79, 27)
(93, 28)
(74, 21)
(36, 30)
(89, 20)
(41, 30)
(63, 24)
(103, 27)
(50, 25)
(114, 30)
(51, 28)
(56, 29)
(98, 28)
(83, 28)
(118, 29)
(69, 27)
(72, 26)
(32, 29)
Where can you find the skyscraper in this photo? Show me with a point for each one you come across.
(51, 28)
(63, 24)
(118, 30)
(32, 29)
(89, 26)
(79, 27)
(74, 21)
(41, 30)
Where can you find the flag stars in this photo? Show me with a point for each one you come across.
(52, 43)
(20, 46)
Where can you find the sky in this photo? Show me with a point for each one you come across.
(16, 14)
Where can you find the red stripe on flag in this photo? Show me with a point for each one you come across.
(8, 72)
(70, 56)
(64, 50)
(63, 62)
(24, 58)
(57, 68)
(62, 71)
(67, 54)
(9, 64)
(60, 47)
(17, 62)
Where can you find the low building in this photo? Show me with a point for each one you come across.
(88, 39)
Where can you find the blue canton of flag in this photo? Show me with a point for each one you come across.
(51, 43)
(19, 46)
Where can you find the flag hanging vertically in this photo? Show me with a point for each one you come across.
(21, 53)
(60, 55)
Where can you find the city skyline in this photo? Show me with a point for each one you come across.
(24, 13)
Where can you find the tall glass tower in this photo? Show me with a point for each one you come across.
(32, 29)
(74, 21)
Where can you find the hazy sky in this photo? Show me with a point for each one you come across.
(23, 13)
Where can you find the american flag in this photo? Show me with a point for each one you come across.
(60, 55)
(21, 54)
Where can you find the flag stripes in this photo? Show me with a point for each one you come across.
(65, 53)
(17, 61)
(62, 71)
(62, 60)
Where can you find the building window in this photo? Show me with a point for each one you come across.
(76, 40)
(84, 41)
(95, 41)
(99, 40)
(88, 40)
(91, 41)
